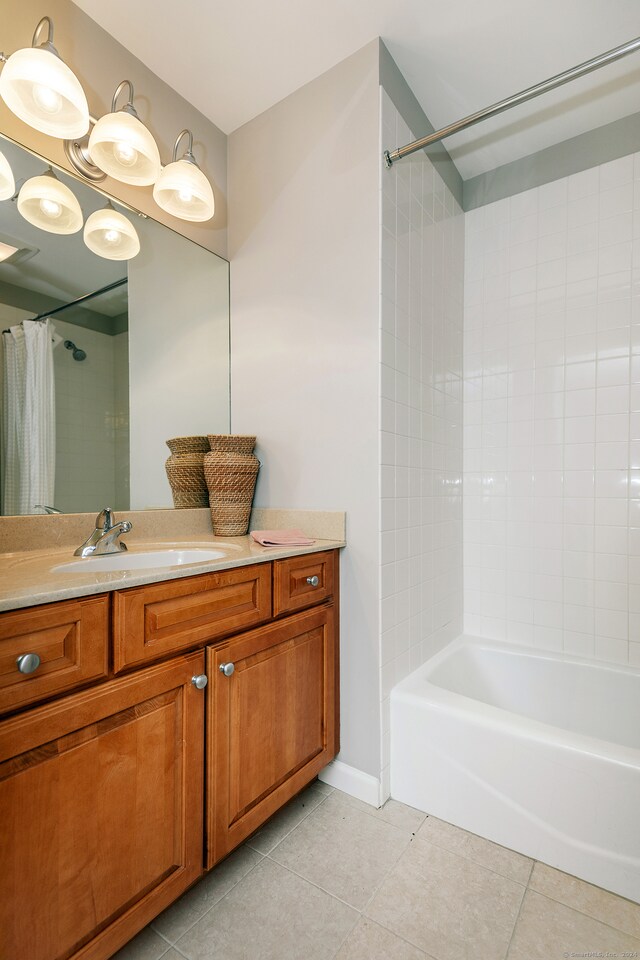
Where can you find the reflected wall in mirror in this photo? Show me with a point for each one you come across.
(142, 358)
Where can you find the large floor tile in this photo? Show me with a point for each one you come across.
(491, 855)
(370, 941)
(181, 915)
(447, 905)
(271, 914)
(285, 820)
(600, 904)
(148, 945)
(547, 930)
(344, 851)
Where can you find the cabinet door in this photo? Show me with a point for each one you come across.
(101, 808)
(271, 723)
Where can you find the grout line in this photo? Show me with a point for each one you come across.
(387, 872)
(179, 952)
(360, 910)
(209, 909)
(506, 953)
(464, 856)
(376, 923)
(589, 916)
(313, 883)
(294, 827)
(380, 923)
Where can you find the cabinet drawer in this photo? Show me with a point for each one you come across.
(162, 618)
(71, 640)
(302, 581)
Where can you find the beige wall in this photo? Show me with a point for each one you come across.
(304, 250)
(100, 63)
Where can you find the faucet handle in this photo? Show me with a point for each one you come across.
(105, 519)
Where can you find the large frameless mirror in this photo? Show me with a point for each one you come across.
(124, 354)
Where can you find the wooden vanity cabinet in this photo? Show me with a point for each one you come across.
(101, 806)
(106, 814)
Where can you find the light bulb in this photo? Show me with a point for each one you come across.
(42, 91)
(110, 235)
(47, 99)
(125, 154)
(49, 204)
(123, 148)
(50, 208)
(183, 191)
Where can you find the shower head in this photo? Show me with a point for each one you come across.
(78, 354)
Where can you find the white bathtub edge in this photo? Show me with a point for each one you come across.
(350, 780)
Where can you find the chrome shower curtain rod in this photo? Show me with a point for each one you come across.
(587, 67)
(87, 296)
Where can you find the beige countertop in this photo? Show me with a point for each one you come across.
(27, 578)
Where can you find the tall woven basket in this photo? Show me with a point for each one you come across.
(231, 471)
(185, 472)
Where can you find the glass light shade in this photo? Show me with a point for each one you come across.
(50, 205)
(110, 235)
(7, 183)
(41, 90)
(121, 145)
(183, 191)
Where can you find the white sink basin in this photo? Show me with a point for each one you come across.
(142, 560)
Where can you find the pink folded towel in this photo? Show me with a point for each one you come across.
(277, 538)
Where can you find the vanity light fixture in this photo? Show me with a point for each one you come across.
(182, 188)
(42, 90)
(49, 204)
(7, 182)
(122, 146)
(110, 235)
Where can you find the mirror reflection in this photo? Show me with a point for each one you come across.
(102, 360)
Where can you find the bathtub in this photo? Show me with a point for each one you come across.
(534, 750)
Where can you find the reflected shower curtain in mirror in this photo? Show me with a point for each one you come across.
(28, 417)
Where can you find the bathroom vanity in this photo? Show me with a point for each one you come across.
(163, 725)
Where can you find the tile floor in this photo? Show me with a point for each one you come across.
(330, 878)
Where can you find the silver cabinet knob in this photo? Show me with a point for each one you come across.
(313, 581)
(200, 681)
(28, 662)
(227, 668)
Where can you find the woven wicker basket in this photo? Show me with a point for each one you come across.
(231, 480)
(180, 445)
(185, 472)
(231, 443)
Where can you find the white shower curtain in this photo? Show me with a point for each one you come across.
(28, 418)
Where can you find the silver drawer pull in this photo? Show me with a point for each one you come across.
(200, 681)
(313, 581)
(227, 668)
(28, 662)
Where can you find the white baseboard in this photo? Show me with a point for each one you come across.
(352, 781)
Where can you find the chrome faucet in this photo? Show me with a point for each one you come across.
(104, 539)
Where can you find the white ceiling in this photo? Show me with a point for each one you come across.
(234, 60)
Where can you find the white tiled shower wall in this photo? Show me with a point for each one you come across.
(421, 316)
(552, 415)
(91, 421)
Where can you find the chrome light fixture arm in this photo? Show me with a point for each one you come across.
(188, 155)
